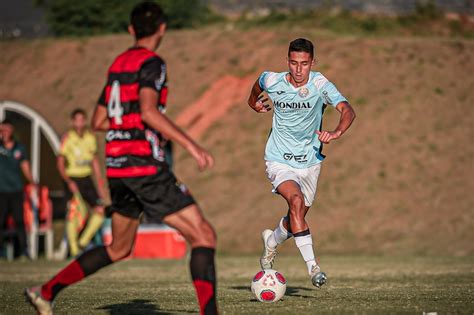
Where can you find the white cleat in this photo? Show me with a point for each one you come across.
(318, 278)
(268, 255)
(42, 306)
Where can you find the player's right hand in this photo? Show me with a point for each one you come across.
(260, 105)
(203, 158)
(72, 187)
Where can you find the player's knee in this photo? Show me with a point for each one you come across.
(296, 204)
(204, 236)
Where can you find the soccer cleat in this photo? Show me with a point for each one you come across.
(41, 305)
(268, 255)
(318, 278)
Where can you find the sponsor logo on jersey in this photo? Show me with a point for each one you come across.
(280, 92)
(297, 158)
(293, 105)
(115, 161)
(327, 99)
(118, 135)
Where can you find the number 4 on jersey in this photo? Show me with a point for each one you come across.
(114, 107)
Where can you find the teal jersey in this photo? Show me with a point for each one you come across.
(10, 170)
(298, 113)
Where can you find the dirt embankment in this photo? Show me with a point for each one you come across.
(399, 181)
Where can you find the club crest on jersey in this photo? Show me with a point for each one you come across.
(17, 154)
(303, 92)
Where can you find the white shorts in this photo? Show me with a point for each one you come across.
(306, 178)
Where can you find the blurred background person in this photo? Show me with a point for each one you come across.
(76, 161)
(13, 162)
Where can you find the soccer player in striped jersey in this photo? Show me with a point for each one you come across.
(293, 153)
(139, 179)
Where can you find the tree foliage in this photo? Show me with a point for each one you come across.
(89, 17)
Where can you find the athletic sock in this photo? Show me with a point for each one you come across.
(86, 264)
(204, 278)
(93, 225)
(304, 242)
(279, 235)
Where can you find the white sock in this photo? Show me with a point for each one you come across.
(305, 245)
(279, 235)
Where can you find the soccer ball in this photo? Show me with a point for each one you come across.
(268, 285)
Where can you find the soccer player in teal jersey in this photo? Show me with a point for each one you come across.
(293, 151)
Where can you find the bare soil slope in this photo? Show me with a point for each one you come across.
(400, 181)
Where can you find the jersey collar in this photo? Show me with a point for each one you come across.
(311, 75)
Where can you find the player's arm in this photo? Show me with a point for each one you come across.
(61, 165)
(96, 170)
(98, 176)
(100, 121)
(26, 169)
(156, 120)
(256, 100)
(347, 117)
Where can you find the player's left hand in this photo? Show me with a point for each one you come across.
(327, 136)
(261, 106)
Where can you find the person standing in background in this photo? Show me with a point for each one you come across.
(76, 162)
(13, 162)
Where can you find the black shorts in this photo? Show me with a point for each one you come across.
(86, 189)
(157, 195)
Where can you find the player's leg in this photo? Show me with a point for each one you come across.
(291, 191)
(16, 206)
(96, 218)
(73, 218)
(300, 196)
(123, 236)
(202, 238)
(280, 234)
(277, 173)
(3, 216)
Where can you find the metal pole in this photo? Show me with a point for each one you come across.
(35, 150)
(2, 111)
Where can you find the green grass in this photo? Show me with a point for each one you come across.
(357, 284)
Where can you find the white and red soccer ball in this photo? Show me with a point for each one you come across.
(268, 285)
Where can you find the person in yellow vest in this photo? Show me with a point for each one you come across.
(76, 162)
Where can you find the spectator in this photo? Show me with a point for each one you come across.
(76, 162)
(13, 162)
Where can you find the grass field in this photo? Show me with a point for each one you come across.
(357, 284)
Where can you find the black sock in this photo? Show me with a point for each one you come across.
(204, 278)
(93, 260)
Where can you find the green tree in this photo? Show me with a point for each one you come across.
(88, 17)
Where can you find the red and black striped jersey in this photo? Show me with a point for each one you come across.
(132, 149)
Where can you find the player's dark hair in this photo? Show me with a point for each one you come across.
(301, 45)
(78, 111)
(146, 18)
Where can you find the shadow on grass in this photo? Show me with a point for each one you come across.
(139, 306)
(290, 291)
